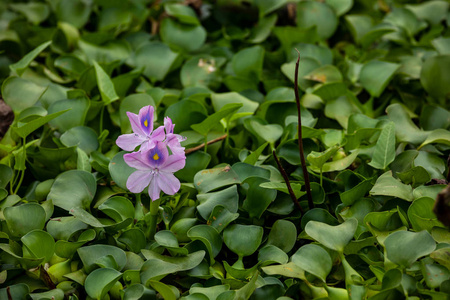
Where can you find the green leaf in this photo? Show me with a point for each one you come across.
(220, 100)
(432, 11)
(434, 117)
(185, 113)
(243, 240)
(168, 292)
(183, 13)
(73, 188)
(62, 228)
(319, 215)
(20, 66)
(357, 192)
(166, 238)
(409, 132)
(35, 12)
(24, 218)
(227, 198)
(258, 198)
(313, 259)
(248, 63)
(421, 215)
(75, 12)
(209, 236)
(281, 186)
(283, 235)
(267, 6)
(220, 217)
(181, 227)
(210, 179)
(156, 59)
(440, 136)
(288, 270)
(183, 37)
(387, 185)
(6, 174)
(333, 237)
(118, 208)
(67, 249)
(158, 266)
(261, 129)
(415, 176)
(201, 71)
(79, 108)
(92, 255)
(21, 93)
(56, 294)
(39, 244)
(254, 156)
(434, 275)
(317, 14)
(195, 162)
(20, 291)
(337, 165)
(105, 85)
(384, 152)
(83, 137)
(375, 76)
(100, 281)
(213, 120)
(119, 170)
(435, 75)
(405, 247)
(340, 6)
(270, 254)
(318, 159)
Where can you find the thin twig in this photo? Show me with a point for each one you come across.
(190, 150)
(8, 292)
(300, 141)
(288, 184)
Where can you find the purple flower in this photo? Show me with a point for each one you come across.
(173, 140)
(154, 168)
(143, 135)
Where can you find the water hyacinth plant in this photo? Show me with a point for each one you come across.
(160, 154)
(319, 178)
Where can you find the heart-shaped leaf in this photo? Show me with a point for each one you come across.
(405, 247)
(313, 259)
(333, 237)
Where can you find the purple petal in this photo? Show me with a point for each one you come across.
(157, 156)
(137, 160)
(168, 183)
(174, 162)
(147, 145)
(153, 189)
(168, 125)
(139, 180)
(146, 119)
(129, 142)
(134, 121)
(158, 135)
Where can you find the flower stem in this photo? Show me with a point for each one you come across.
(286, 180)
(154, 208)
(300, 141)
(196, 148)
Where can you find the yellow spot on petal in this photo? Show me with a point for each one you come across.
(156, 157)
(146, 123)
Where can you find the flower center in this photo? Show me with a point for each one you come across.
(156, 157)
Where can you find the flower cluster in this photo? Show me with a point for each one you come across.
(160, 154)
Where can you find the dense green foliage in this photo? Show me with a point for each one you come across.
(374, 82)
